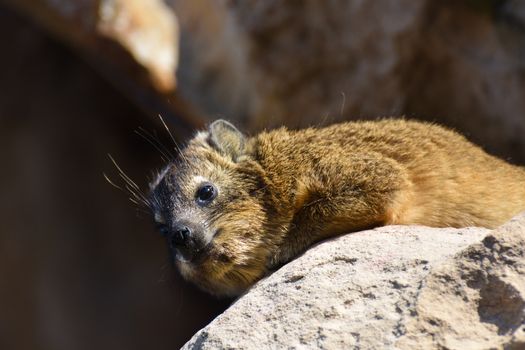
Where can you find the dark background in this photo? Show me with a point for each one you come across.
(80, 268)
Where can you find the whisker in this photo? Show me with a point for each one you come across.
(134, 201)
(126, 180)
(137, 201)
(139, 196)
(175, 145)
(168, 130)
(164, 156)
(111, 182)
(159, 145)
(123, 173)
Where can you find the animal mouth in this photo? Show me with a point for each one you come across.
(180, 257)
(196, 257)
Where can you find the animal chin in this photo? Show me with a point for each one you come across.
(195, 259)
(181, 258)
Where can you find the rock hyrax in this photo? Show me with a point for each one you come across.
(232, 207)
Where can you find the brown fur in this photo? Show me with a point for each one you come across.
(281, 191)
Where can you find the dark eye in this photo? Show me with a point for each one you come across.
(205, 194)
(163, 229)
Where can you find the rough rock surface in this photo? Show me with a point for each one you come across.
(475, 300)
(392, 287)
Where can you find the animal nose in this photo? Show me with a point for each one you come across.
(186, 240)
(181, 235)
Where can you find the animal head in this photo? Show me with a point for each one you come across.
(209, 205)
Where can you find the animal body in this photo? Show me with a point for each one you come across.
(233, 208)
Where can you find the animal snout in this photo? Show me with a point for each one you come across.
(181, 235)
(185, 241)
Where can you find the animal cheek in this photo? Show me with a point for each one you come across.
(224, 258)
(244, 225)
(230, 251)
(221, 255)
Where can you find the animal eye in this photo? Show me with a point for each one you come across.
(205, 194)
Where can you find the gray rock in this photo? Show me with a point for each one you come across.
(368, 289)
(392, 287)
(475, 300)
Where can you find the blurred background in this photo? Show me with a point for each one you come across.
(80, 266)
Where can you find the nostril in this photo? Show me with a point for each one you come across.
(181, 236)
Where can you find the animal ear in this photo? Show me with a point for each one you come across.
(226, 139)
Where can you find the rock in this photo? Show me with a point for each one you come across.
(265, 64)
(475, 300)
(147, 30)
(133, 43)
(395, 286)
(270, 63)
(465, 72)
